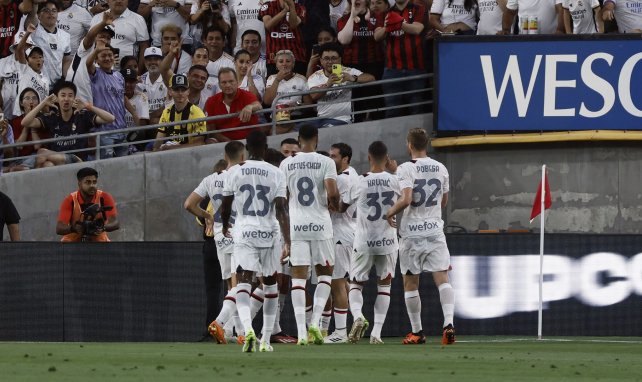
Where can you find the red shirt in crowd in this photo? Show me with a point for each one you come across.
(363, 48)
(282, 37)
(10, 16)
(404, 50)
(215, 106)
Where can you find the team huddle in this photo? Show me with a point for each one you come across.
(310, 216)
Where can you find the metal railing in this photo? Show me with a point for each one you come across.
(271, 111)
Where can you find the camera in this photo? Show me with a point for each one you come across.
(215, 4)
(89, 225)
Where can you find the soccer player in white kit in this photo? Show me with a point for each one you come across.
(212, 186)
(311, 180)
(375, 241)
(258, 192)
(424, 192)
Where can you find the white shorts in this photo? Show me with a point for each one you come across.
(228, 265)
(342, 255)
(312, 252)
(423, 254)
(260, 260)
(362, 263)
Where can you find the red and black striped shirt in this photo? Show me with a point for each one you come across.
(363, 48)
(10, 20)
(404, 50)
(282, 37)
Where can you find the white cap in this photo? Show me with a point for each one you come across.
(153, 51)
(17, 38)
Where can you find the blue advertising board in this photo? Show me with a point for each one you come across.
(544, 83)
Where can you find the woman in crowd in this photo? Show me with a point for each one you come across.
(27, 100)
(325, 36)
(248, 81)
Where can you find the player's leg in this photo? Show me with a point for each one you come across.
(300, 262)
(359, 270)
(247, 258)
(447, 299)
(340, 294)
(229, 311)
(409, 263)
(269, 265)
(258, 298)
(323, 258)
(385, 266)
(326, 315)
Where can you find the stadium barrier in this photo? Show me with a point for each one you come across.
(153, 291)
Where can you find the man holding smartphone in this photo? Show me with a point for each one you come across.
(334, 107)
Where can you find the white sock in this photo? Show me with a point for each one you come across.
(447, 298)
(277, 320)
(270, 307)
(229, 307)
(238, 324)
(243, 305)
(229, 328)
(321, 294)
(298, 303)
(308, 315)
(413, 306)
(257, 301)
(380, 309)
(340, 318)
(355, 298)
(326, 316)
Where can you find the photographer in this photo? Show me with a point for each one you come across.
(89, 213)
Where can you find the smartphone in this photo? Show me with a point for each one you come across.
(315, 48)
(215, 4)
(338, 70)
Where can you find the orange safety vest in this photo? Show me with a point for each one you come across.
(76, 215)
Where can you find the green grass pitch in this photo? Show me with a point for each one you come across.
(472, 358)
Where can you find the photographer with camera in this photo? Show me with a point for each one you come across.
(88, 213)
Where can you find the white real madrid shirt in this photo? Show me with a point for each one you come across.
(255, 185)
(246, 13)
(337, 102)
(344, 224)
(376, 193)
(10, 79)
(583, 16)
(141, 105)
(30, 79)
(76, 21)
(156, 92)
(130, 29)
(305, 175)
(55, 46)
(225, 61)
(162, 16)
(429, 182)
(297, 83)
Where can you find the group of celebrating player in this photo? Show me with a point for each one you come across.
(289, 215)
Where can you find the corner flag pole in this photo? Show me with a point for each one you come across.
(541, 253)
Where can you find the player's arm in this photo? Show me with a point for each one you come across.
(192, 205)
(402, 203)
(334, 198)
(282, 215)
(226, 212)
(444, 200)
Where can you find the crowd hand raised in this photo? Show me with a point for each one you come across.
(31, 28)
(51, 100)
(108, 18)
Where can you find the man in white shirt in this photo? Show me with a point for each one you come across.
(334, 107)
(548, 13)
(136, 105)
(54, 42)
(424, 192)
(74, 20)
(152, 84)
(171, 35)
(245, 16)
(582, 17)
(258, 191)
(29, 62)
(164, 12)
(214, 41)
(312, 186)
(627, 13)
(251, 41)
(131, 36)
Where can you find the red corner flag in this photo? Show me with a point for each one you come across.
(537, 204)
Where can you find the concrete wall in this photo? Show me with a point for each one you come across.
(596, 187)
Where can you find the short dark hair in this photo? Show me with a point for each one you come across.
(62, 84)
(54, 2)
(256, 141)
(274, 157)
(330, 30)
(308, 131)
(239, 53)
(126, 59)
(197, 67)
(331, 47)
(289, 141)
(234, 149)
(212, 29)
(22, 95)
(344, 150)
(378, 150)
(251, 31)
(85, 172)
(418, 139)
(220, 165)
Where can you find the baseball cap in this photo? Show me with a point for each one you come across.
(33, 49)
(129, 74)
(109, 29)
(153, 51)
(17, 38)
(178, 81)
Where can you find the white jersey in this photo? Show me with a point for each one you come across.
(162, 16)
(74, 20)
(260, 68)
(140, 104)
(544, 10)
(297, 83)
(454, 12)
(196, 30)
(79, 75)
(255, 185)
(212, 186)
(376, 194)
(429, 182)
(246, 13)
(156, 92)
(30, 79)
(583, 15)
(344, 224)
(490, 17)
(306, 174)
(336, 12)
(628, 14)
(130, 29)
(55, 46)
(335, 104)
(10, 79)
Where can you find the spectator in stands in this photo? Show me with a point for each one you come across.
(136, 107)
(283, 82)
(129, 62)
(251, 41)
(10, 77)
(548, 20)
(246, 79)
(6, 135)
(362, 52)
(289, 147)
(163, 12)
(582, 17)
(214, 41)
(181, 110)
(338, 8)
(54, 42)
(206, 14)
(282, 20)
(108, 88)
(454, 16)
(380, 7)
(66, 117)
(490, 16)
(231, 100)
(9, 216)
(334, 106)
(171, 34)
(627, 13)
(29, 64)
(245, 15)
(73, 220)
(326, 35)
(131, 35)
(402, 31)
(152, 84)
(317, 17)
(28, 100)
(12, 11)
(75, 20)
